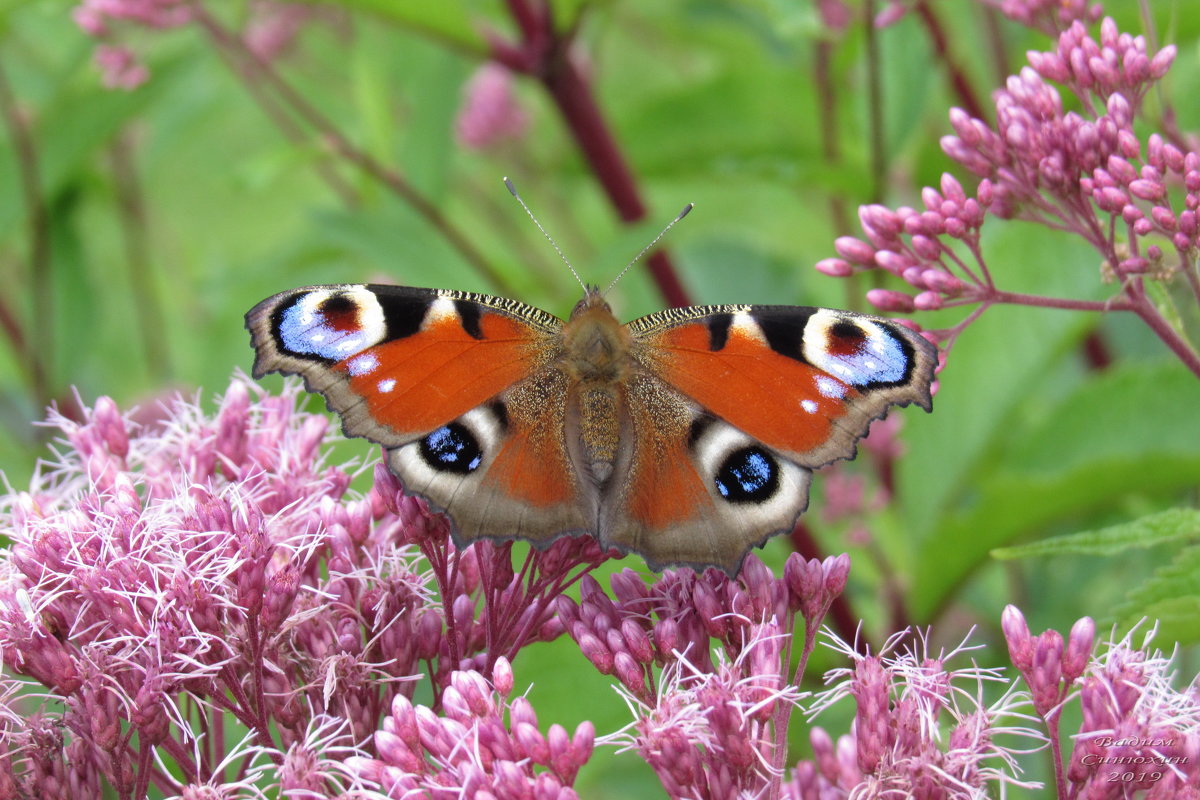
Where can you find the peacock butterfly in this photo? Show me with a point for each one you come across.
(686, 436)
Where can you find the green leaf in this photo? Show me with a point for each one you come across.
(1128, 430)
(995, 365)
(1172, 597)
(1151, 530)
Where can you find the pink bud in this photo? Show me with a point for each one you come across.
(961, 122)
(1174, 158)
(1110, 199)
(532, 743)
(1079, 648)
(892, 261)
(880, 219)
(985, 192)
(629, 672)
(502, 677)
(1187, 222)
(914, 276)
(566, 609)
(636, 640)
(941, 281)
(927, 301)
(1016, 633)
(429, 634)
(834, 267)
(1134, 266)
(1162, 61)
(926, 247)
(888, 300)
(454, 704)
(1147, 190)
(595, 651)
(856, 251)
(583, 741)
(521, 710)
(666, 637)
(628, 587)
(931, 199)
(1128, 144)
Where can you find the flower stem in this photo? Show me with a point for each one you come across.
(941, 47)
(332, 137)
(35, 350)
(545, 54)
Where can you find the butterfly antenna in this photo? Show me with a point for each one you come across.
(513, 191)
(645, 249)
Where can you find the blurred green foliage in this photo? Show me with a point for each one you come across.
(174, 207)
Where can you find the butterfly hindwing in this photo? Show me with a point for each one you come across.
(696, 490)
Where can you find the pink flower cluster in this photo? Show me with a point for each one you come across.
(1085, 171)
(921, 729)
(1139, 733)
(172, 582)
(469, 751)
(164, 581)
(712, 724)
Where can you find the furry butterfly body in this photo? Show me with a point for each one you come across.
(687, 436)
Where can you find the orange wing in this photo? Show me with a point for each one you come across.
(455, 385)
(398, 362)
(804, 381)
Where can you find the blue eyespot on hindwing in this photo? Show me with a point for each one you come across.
(452, 448)
(748, 475)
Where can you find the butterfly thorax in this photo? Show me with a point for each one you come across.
(596, 357)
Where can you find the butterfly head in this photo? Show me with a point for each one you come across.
(596, 345)
(592, 300)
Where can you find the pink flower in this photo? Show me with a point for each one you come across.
(483, 744)
(1135, 721)
(490, 112)
(214, 570)
(120, 68)
(1091, 172)
(897, 745)
(273, 26)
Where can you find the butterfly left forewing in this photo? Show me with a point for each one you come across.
(454, 384)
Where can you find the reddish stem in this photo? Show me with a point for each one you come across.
(35, 350)
(941, 47)
(545, 54)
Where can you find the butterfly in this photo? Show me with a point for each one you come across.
(686, 436)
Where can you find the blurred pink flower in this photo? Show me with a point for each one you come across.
(490, 112)
(273, 26)
(119, 67)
